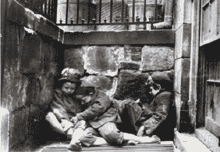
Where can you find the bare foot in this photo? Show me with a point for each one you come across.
(74, 146)
(147, 139)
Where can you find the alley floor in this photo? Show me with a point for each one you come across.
(153, 147)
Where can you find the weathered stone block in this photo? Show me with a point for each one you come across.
(131, 85)
(102, 60)
(34, 118)
(14, 91)
(155, 58)
(31, 54)
(46, 83)
(133, 53)
(183, 41)
(182, 13)
(18, 126)
(73, 58)
(129, 65)
(182, 115)
(177, 100)
(181, 80)
(101, 82)
(4, 130)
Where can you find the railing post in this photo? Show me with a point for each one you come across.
(111, 6)
(94, 22)
(67, 9)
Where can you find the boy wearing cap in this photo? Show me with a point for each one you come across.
(156, 118)
(102, 118)
(65, 106)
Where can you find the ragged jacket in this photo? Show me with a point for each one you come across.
(160, 116)
(64, 106)
(100, 111)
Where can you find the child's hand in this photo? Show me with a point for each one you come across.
(74, 120)
(141, 131)
(66, 124)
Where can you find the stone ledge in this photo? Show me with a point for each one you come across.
(209, 139)
(25, 17)
(186, 142)
(154, 37)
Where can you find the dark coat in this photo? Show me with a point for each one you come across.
(100, 111)
(64, 106)
(160, 116)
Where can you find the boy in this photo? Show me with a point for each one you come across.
(65, 106)
(102, 118)
(156, 118)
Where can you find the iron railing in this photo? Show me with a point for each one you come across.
(108, 12)
(47, 8)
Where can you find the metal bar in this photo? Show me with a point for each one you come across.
(144, 19)
(133, 11)
(41, 9)
(67, 7)
(52, 11)
(49, 9)
(100, 9)
(155, 16)
(122, 11)
(89, 11)
(77, 18)
(45, 7)
(111, 6)
(55, 12)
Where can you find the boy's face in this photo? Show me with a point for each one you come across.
(87, 98)
(153, 91)
(68, 87)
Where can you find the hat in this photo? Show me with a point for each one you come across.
(70, 74)
(85, 90)
(163, 81)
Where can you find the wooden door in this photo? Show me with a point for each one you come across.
(209, 88)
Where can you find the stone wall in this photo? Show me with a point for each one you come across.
(182, 27)
(121, 69)
(34, 52)
(32, 58)
(30, 67)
